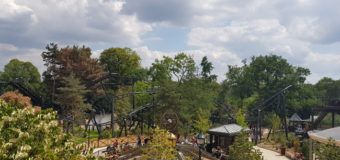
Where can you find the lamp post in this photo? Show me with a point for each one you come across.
(200, 142)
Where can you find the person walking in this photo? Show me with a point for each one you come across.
(116, 144)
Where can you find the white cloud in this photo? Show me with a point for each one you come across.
(8, 52)
(247, 38)
(224, 30)
(7, 47)
(35, 23)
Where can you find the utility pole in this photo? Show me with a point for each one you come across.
(284, 113)
(112, 116)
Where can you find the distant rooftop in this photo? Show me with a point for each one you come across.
(295, 118)
(230, 129)
(324, 135)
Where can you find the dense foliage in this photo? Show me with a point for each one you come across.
(243, 149)
(62, 62)
(160, 147)
(21, 72)
(29, 135)
(182, 86)
(71, 98)
(328, 151)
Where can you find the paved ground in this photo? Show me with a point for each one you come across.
(99, 151)
(270, 155)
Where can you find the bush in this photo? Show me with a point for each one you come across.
(242, 145)
(106, 133)
(29, 135)
(160, 147)
(328, 151)
(291, 139)
(305, 149)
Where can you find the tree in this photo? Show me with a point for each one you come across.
(328, 151)
(182, 91)
(240, 119)
(183, 67)
(265, 75)
(62, 62)
(242, 149)
(207, 67)
(202, 124)
(22, 72)
(71, 98)
(18, 100)
(143, 98)
(328, 88)
(274, 122)
(29, 135)
(123, 61)
(160, 146)
(161, 69)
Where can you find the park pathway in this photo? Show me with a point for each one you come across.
(270, 155)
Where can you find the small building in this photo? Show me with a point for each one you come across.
(296, 123)
(224, 135)
(295, 118)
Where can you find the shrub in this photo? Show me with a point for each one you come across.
(242, 145)
(29, 135)
(291, 139)
(305, 149)
(328, 151)
(106, 133)
(160, 147)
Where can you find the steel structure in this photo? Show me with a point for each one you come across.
(278, 102)
(333, 107)
(106, 82)
(224, 107)
(36, 99)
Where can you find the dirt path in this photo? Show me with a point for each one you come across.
(271, 155)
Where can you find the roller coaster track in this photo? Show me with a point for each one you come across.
(225, 107)
(114, 76)
(127, 116)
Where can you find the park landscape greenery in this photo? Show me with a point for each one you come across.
(182, 86)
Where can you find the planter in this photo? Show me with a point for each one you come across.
(283, 151)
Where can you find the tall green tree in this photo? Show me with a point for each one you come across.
(182, 91)
(207, 67)
(22, 72)
(183, 67)
(71, 98)
(328, 88)
(123, 61)
(161, 69)
(265, 75)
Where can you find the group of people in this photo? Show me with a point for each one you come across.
(139, 140)
(113, 147)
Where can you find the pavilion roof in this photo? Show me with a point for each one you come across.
(229, 129)
(295, 118)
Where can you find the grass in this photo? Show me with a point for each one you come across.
(80, 136)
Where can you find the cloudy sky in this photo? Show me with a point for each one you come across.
(306, 32)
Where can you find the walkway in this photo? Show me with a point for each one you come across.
(271, 155)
